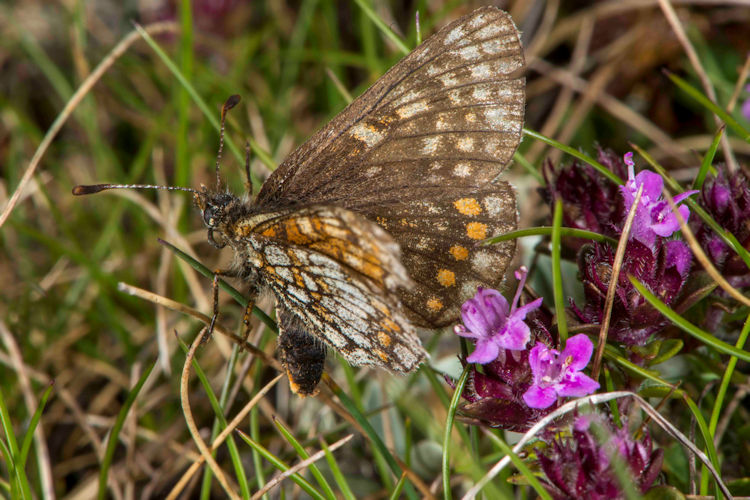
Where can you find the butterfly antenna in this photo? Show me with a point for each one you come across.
(248, 180)
(95, 188)
(231, 102)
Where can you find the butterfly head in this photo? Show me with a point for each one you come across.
(216, 209)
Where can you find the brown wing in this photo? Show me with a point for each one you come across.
(438, 127)
(439, 238)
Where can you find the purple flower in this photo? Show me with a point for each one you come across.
(653, 217)
(579, 465)
(487, 320)
(746, 105)
(559, 374)
(663, 270)
(726, 198)
(590, 200)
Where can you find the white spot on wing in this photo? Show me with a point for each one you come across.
(465, 144)
(478, 21)
(373, 171)
(469, 289)
(412, 109)
(367, 134)
(276, 257)
(497, 118)
(448, 80)
(489, 31)
(462, 170)
(456, 34)
(469, 53)
(430, 144)
(298, 294)
(494, 205)
(484, 262)
(481, 71)
(481, 93)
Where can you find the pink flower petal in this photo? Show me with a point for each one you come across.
(485, 351)
(579, 348)
(536, 397)
(576, 385)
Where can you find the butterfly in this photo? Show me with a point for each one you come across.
(369, 230)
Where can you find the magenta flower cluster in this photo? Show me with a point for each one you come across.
(578, 464)
(653, 256)
(653, 217)
(500, 331)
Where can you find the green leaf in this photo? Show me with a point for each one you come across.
(114, 434)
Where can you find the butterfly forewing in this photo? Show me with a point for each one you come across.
(436, 129)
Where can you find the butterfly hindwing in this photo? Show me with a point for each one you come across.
(440, 243)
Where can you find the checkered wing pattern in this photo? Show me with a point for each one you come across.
(338, 273)
(417, 153)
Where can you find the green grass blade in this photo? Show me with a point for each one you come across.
(341, 481)
(276, 462)
(688, 327)
(534, 172)
(520, 465)
(304, 456)
(377, 443)
(557, 286)
(707, 438)
(210, 114)
(446, 464)
(217, 427)
(721, 394)
(382, 26)
(547, 230)
(18, 480)
(182, 98)
(576, 154)
(114, 434)
(708, 159)
(711, 106)
(29, 437)
(219, 414)
(396, 493)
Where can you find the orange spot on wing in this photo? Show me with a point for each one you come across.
(294, 233)
(382, 355)
(459, 253)
(434, 304)
(390, 325)
(298, 279)
(468, 206)
(270, 232)
(384, 339)
(476, 230)
(446, 277)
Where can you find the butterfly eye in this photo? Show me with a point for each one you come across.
(210, 215)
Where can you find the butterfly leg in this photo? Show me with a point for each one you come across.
(215, 288)
(302, 354)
